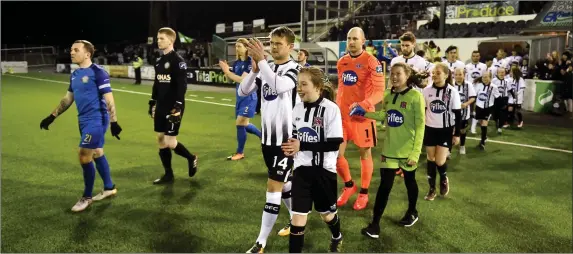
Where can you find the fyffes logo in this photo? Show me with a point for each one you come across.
(394, 118)
(437, 107)
(307, 134)
(268, 93)
(482, 96)
(545, 97)
(349, 78)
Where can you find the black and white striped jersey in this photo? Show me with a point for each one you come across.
(467, 92)
(453, 66)
(474, 71)
(503, 85)
(486, 95)
(440, 103)
(417, 62)
(518, 88)
(278, 97)
(318, 127)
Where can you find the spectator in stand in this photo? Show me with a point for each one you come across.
(302, 57)
(567, 88)
(194, 62)
(333, 32)
(370, 49)
(524, 67)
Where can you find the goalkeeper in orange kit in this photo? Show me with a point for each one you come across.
(360, 88)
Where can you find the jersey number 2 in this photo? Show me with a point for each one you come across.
(282, 163)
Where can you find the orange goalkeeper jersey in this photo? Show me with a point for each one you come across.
(360, 80)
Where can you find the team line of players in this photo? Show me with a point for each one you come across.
(304, 135)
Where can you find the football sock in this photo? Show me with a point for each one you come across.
(411, 188)
(431, 171)
(474, 124)
(165, 155)
(366, 173)
(270, 214)
(286, 197)
(386, 182)
(519, 117)
(241, 138)
(183, 152)
(334, 226)
(296, 239)
(251, 128)
(462, 139)
(442, 170)
(103, 170)
(89, 178)
(483, 134)
(342, 169)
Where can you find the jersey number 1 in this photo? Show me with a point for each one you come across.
(282, 163)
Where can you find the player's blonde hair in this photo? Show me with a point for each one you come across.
(167, 31)
(244, 42)
(317, 77)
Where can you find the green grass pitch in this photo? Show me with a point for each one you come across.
(507, 199)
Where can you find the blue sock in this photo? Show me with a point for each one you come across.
(241, 138)
(103, 170)
(89, 178)
(251, 128)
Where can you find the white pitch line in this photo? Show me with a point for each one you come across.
(208, 97)
(226, 99)
(193, 95)
(229, 105)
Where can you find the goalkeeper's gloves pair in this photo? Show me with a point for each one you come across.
(115, 128)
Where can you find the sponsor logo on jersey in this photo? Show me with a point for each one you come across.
(166, 65)
(85, 79)
(462, 96)
(395, 118)
(476, 74)
(437, 107)
(307, 134)
(268, 93)
(163, 77)
(482, 96)
(349, 78)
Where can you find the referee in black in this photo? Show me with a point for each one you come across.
(167, 104)
(317, 135)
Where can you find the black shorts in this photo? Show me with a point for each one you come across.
(438, 136)
(515, 106)
(483, 114)
(279, 166)
(313, 185)
(161, 124)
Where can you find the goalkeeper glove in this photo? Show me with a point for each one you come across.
(175, 116)
(358, 111)
(115, 130)
(47, 121)
(152, 103)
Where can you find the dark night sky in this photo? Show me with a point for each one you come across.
(60, 23)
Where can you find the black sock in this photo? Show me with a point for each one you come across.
(349, 184)
(483, 134)
(519, 117)
(296, 239)
(165, 155)
(183, 152)
(442, 170)
(462, 139)
(334, 226)
(363, 191)
(431, 172)
(412, 188)
(387, 181)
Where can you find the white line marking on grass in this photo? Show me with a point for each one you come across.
(229, 105)
(226, 99)
(119, 90)
(208, 97)
(193, 95)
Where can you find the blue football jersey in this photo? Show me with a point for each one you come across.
(240, 67)
(89, 85)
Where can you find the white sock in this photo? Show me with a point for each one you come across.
(286, 196)
(270, 214)
(474, 124)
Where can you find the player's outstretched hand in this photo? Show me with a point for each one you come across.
(256, 49)
(291, 147)
(115, 130)
(411, 162)
(224, 66)
(47, 121)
